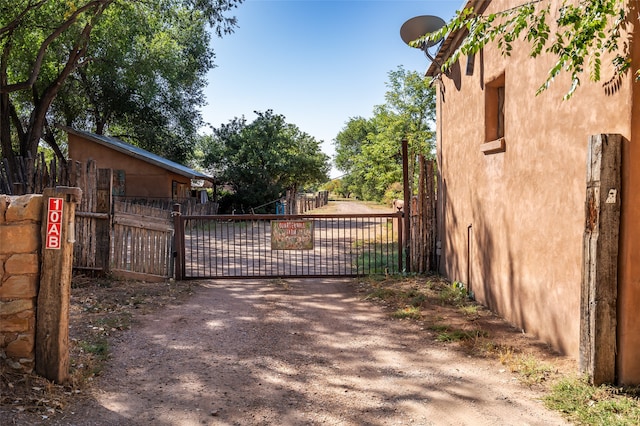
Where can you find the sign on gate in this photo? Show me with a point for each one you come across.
(291, 235)
(54, 223)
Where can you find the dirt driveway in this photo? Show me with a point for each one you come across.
(295, 352)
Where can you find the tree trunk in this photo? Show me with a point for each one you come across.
(5, 115)
(50, 139)
(38, 115)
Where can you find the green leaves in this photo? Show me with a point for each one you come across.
(264, 158)
(584, 31)
(134, 68)
(145, 81)
(368, 150)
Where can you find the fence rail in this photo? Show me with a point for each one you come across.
(187, 205)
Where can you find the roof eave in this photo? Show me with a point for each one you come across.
(454, 40)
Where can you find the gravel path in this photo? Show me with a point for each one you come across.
(296, 352)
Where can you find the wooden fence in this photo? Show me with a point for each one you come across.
(93, 217)
(33, 175)
(114, 236)
(301, 203)
(123, 237)
(127, 239)
(188, 206)
(142, 244)
(422, 234)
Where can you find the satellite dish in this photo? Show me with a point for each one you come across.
(418, 26)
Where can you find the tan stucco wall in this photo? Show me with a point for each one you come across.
(522, 211)
(142, 179)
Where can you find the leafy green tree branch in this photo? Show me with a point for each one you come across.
(583, 32)
(129, 67)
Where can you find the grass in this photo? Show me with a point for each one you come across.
(99, 348)
(470, 311)
(454, 294)
(416, 298)
(280, 283)
(445, 334)
(122, 321)
(585, 404)
(96, 353)
(529, 369)
(377, 258)
(382, 293)
(411, 312)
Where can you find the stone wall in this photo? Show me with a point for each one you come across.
(20, 243)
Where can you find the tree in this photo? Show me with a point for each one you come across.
(144, 83)
(31, 34)
(349, 143)
(98, 44)
(336, 186)
(368, 151)
(263, 159)
(586, 31)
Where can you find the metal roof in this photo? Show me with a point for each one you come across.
(139, 153)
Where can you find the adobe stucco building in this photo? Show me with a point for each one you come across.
(513, 185)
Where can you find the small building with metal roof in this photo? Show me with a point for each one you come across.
(137, 173)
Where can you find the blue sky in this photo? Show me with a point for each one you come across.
(317, 62)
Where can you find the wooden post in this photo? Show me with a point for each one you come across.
(430, 207)
(600, 267)
(400, 241)
(103, 226)
(52, 317)
(407, 203)
(420, 247)
(178, 242)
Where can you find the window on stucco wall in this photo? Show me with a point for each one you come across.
(494, 115)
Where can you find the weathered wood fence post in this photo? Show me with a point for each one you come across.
(407, 205)
(104, 200)
(600, 268)
(423, 223)
(178, 242)
(292, 207)
(52, 316)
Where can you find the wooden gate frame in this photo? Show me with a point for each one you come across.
(98, 222)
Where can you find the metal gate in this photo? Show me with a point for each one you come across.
(288, 245)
